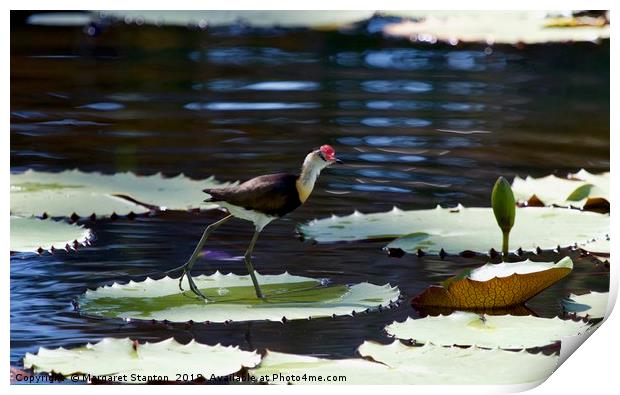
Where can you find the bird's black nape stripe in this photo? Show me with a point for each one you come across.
(322, 156)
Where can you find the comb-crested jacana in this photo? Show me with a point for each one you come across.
(261, 200)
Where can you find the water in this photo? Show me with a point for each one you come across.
(416, 125)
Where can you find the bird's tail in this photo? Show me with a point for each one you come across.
(214, 194)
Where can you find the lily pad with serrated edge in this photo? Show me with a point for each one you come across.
(490, 331)
(535, 228)
(495, 285)
(580, 190)
(233, 299)
(599, 249)
(124, 360)
(399, 364)
(432, 364)
(601, 180)
(600, 246)
(73, 191)
(459, 229)
(38, 235)
(592, 305)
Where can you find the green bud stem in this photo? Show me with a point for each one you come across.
(505, 245)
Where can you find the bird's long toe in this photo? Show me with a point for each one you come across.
(181, 280)
(194, 288)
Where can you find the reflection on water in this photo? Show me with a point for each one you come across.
(237, 85)
(416, 125)
(231, 106)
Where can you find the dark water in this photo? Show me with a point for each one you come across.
(416, 125)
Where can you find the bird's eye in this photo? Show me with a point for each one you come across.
(322, 156)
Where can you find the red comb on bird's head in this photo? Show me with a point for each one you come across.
(329, 152)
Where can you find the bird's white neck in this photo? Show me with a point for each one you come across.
(310, 171)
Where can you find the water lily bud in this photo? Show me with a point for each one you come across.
(503, 202)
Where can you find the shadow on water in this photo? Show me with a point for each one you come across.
(416, 125)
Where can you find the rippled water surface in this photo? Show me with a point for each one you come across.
(416, 125)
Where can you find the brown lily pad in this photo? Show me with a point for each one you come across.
(495, 286)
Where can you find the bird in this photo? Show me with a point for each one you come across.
(261, 200)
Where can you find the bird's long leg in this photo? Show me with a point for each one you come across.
(250, 267)
(187, 267)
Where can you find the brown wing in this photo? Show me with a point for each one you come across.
(272, 194)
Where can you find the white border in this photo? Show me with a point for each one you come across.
(591, 369)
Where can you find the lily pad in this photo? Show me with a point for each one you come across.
(581, 190)
(432, 364)
(600, 246)
(72, 191)
(496, 27)
(592, 305)
(487, 27)
(255, 18)
(461, 229)
(601, 180)
(490, 331)
(495, 286)
(281, 368)
(233, 299)
(599, 249)
(400, 364)
(124, 360)
(37, 235)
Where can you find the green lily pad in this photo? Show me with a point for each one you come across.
(432, 364)
(599, 249)
(462, 229)
(36, 235)
(600, 246)
(579, 190)
(490, 331)
(281, 368)
(233, 299)
(72, 191)
(499, 27)
(255, 18)
(399, 364)
(486, 27)
(127, 361)
(592, 305)
(601, 180)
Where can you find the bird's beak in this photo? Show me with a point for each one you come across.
(339, 161)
